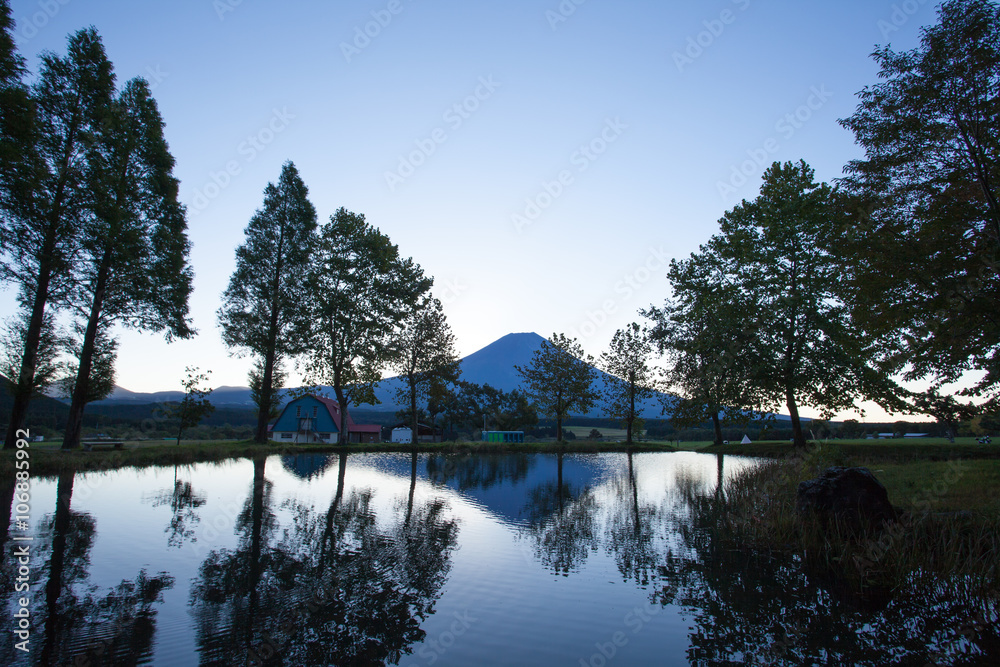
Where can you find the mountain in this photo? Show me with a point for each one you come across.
(493, 365)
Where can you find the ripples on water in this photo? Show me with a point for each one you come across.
(444, 560)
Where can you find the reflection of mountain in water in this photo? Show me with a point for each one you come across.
(501, 484)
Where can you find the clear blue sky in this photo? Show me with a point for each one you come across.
(612, 129)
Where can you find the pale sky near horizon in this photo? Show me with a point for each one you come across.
(542, 160)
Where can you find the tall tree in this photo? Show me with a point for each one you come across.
(425, 357)
(195, 405)
(43, 190)
(101, 379)
(361, 292)
(560, 379)
(924, 250)
(12, 342)
(262, 309)
(804, 352)
(16, 112)
(705, 332)
(631, 379)
(133, 257)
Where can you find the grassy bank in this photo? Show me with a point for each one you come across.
(48, 459)
(950, 530)
(857, 452)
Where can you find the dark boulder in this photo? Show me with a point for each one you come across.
(850, 496)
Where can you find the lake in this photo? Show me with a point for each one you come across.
(369, 559)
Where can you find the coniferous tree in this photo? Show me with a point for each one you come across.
(425, 357)
(560, 379)
(360, 293)
(263, 306)
(44, 193)
(132, 262)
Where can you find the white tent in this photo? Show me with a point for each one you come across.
(745, 440)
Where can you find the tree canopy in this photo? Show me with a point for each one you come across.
(425, 357)
(361, 291)
(708, 342)
(804, 351)
(923, 253)
(560, 379)
(631, 380)
(262, 313)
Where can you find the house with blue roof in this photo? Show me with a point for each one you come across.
(316, 419)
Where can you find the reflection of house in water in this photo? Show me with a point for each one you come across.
(317, 419)
(307, 466)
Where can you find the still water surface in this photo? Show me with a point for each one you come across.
(369, 559)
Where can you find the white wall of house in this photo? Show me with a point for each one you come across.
(291, 437)
(402, 435)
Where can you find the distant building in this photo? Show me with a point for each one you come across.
(503, 436)
(314, 419)
(403, 433)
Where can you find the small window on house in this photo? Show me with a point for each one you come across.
(298, 410)
(286, 436)
(315, 411)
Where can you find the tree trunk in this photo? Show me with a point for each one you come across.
(559, 429)
(635, 494)
(413, 487)
(29, 362)
(344, 438)
(631, 417)
(716, 424)
(57, 564)
(7, 502)
(74, 423)
(414, 433)
(798, 439)
(256, 530)
(266, 392)
(719, 474)
(328, 536)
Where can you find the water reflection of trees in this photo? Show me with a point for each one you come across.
(561, 522)
(763, 609)
(338, 586)
(79, 625)
(184, 502)
(632, 530)
(478, 471)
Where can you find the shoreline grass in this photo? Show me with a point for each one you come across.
(949, 530)
(48, 459)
